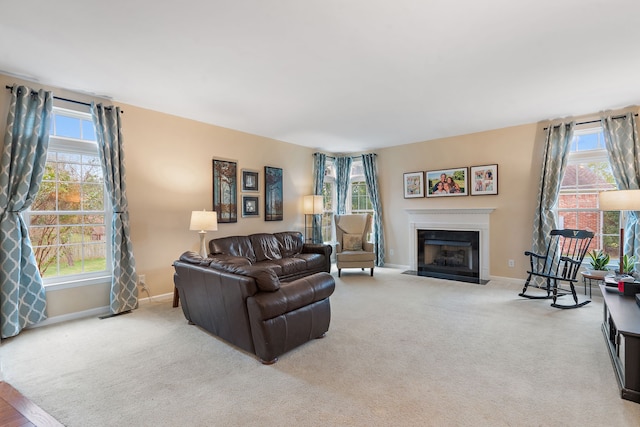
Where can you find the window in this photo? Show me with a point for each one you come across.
(329, 198)
(587, 173)
(67, 220)
(358, 200)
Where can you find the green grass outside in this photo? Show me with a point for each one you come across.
(90, 265)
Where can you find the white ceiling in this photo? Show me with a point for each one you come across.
(337, 75)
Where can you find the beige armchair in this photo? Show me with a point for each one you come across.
(352, 248)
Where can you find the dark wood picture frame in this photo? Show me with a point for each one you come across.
(273, 201)
(457, 182)
(250, 180)
(413, 185)
(250, 206)
(484, 180)
(225, 190)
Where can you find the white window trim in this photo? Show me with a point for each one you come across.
(79, 146)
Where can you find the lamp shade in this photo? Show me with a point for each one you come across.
(204, 221)
(313, 205)
(619, 200)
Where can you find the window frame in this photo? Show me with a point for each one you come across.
(330, 181)
(75, 146)
(580, 157)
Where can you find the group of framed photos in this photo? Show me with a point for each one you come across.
(474, 180)
(225, 192)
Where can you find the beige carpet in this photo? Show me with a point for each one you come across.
(401, 351)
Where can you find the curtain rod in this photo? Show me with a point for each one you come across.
(66, 99)
(621, 116)
(353, 157)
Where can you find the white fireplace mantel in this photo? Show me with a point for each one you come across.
(471, 219)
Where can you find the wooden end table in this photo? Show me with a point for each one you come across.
(586, 276)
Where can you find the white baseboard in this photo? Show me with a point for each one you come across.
(95, 312)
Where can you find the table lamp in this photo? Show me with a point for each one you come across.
(203, 221)
(620, 200)
(312, 205)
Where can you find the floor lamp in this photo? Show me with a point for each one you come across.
(203, 221)
(312, 205)
(620, 200)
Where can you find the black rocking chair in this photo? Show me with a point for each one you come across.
(565, 252)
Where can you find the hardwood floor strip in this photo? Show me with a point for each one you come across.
(16, 410)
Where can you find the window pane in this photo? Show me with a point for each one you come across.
(43, 235)
(93, 197)
(588, 142)
(91, 172)
(69, 197)
(47, 259)
(95, 257)
(67, 126)
(46, 198)
(70, 219)
(88, 131)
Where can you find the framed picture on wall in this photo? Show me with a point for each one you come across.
(250, 207)
(413, 185)
(249, 180)
(447, 182)
(273, 202)
(225, 190)
(484, 180)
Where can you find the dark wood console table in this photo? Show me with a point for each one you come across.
(621, 329)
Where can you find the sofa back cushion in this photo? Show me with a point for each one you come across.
(290, 243)
(265, 246)
(233, 245)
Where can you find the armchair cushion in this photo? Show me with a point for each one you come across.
(352, 242)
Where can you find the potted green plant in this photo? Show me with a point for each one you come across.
(628, 264)
(599, 261)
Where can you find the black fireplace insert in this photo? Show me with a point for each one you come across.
(449, 254)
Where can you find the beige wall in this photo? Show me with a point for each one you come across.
(169, 174)
(518, 153)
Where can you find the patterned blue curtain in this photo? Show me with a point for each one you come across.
(319, 163)
(371, 178)
(623, 147)
(124, 290)
(22, 165)
(553, 164)
(343, 173)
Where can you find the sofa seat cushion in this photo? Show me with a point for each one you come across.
(355, 256)
(292, 295)
(314, 261)
(291, 266)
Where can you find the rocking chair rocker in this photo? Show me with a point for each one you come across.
(565, 251)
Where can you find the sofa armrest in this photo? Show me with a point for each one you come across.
(316, 248)
(291, 296)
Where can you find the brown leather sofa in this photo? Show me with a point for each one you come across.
(285, 253)
(242, 300)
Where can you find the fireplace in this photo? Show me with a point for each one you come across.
(466, 220)
(449, 254)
